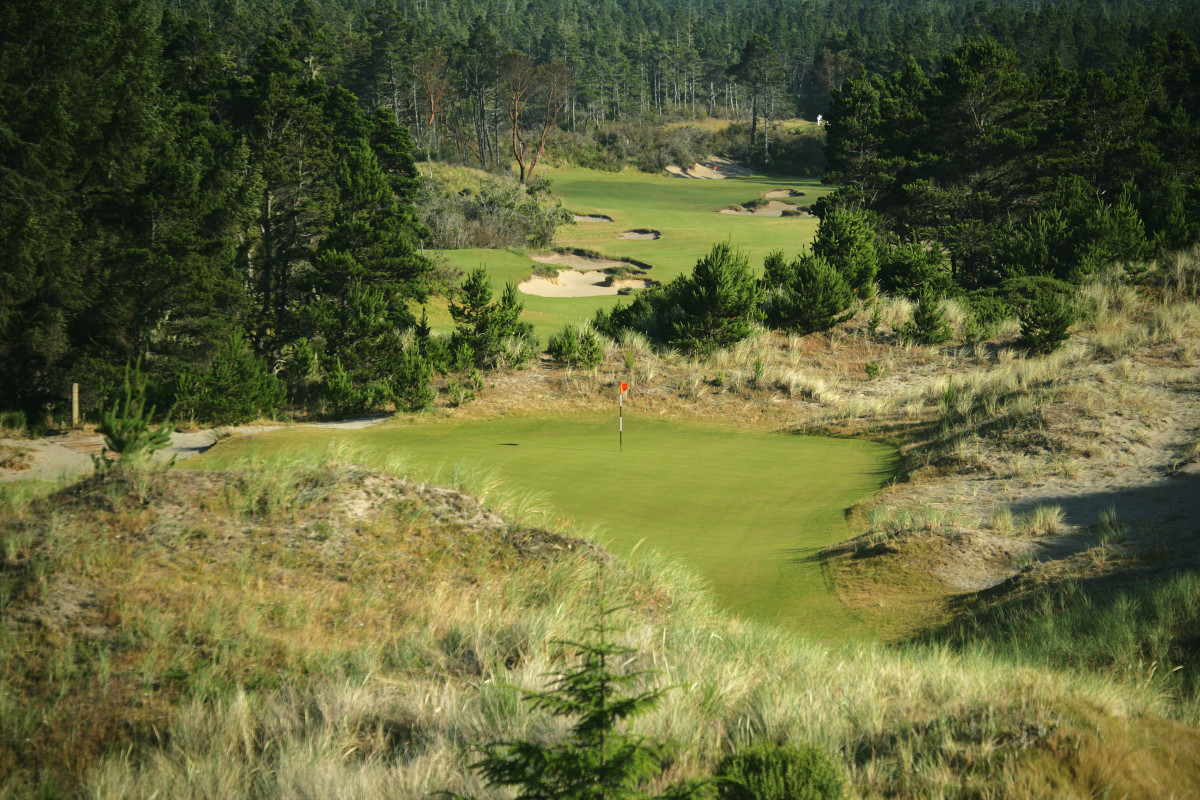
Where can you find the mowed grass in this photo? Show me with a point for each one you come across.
(747, 511)
(683, 211)
(546, 314)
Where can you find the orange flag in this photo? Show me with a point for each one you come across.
(624, 387)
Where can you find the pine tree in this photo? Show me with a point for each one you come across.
(813, 296)
(599, 760)
(486, 327)
(846, 239)
(718, 303)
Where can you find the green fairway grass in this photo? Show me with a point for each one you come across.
(747, 511)
(546, 314)
(683, 211)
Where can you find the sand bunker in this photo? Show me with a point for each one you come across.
(782, 193)
(578, 262)
(592, 218)
(712, 169)
(573, 283)
(640, 233)
(771, 209)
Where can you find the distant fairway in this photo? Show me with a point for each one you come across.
(748, 511)
(682, 211)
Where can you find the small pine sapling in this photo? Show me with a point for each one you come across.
(126, 425)
(598, 760)
(1046, 322)
(928, 324)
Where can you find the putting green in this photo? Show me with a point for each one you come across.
(747, 511)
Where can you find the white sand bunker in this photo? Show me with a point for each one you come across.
(592, 218)
(782, 193)
(578, 262)
(640, 233)
(712, 169)
(773, 208)
(573, 283)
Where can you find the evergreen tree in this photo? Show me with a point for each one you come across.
(487, 328)
(598, 760)
(807, 296)
(928, 324)
(757, 69)
(718, 303)
(846, 239)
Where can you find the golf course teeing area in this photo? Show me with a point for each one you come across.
(748, 511)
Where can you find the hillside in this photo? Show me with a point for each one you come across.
(289, 627)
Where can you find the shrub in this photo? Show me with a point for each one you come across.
(236, 387)
(14, 421)
(343, 395)
(780, 772)
(576, 346)
(808, 295)
(598, 759)
(493, 331)
(126, 425)
(717, 303)
(912, 267)
(502, 213)
(410, 387)
(1046, 322)
(928, 324)
(846, 239)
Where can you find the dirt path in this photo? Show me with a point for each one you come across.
(70, 454)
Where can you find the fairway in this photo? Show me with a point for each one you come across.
(747, 511)
(684, 212)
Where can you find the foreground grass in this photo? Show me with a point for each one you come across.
(316, 629)
(749, 511)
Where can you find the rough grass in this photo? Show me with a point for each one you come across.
(1139, 627)
(319, 629)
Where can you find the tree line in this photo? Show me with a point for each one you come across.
(226, 189)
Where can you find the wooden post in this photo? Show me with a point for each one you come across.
(74, 405)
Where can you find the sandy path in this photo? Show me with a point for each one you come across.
(578, 284)
(69, 455)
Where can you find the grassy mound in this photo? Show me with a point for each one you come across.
(314, 629)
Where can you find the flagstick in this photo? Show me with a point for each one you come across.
(620, 420)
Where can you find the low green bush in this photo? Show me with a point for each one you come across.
(1046, 323)
(576, 346)
(779, 772)
(807, 295)
(236, 386)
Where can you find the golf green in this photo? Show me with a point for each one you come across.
(748, 511)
